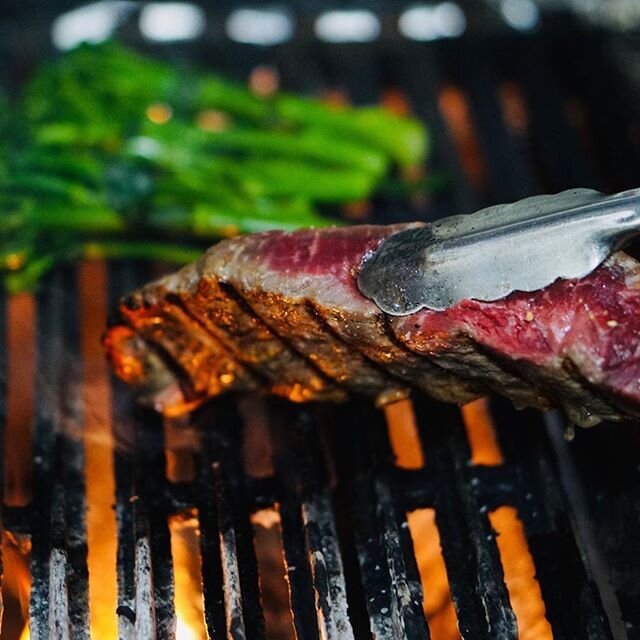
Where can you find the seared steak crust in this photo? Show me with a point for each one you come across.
(281, 312)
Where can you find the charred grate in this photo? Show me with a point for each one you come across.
(343, 504)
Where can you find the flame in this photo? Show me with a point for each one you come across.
(403, 434)
(257, 453)
(184, 631)
(181, 442)
(396, 102)
(185, 545)
(274, 593)
(514, 108)
(21, 338)
(359, 210)
(437, 602)
(481, 433)
(16, 556)
(519, 575)
(98, 443)
(26, 634)
(336, 98)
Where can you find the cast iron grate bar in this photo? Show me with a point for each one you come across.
(393, 596)
(230, 574)
(491, 599)
(300, 473)
(48, 556)
(298, 571)
(70, 460)
(146, 606)
(151, 484)
(135, 592)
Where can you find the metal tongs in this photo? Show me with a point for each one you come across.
(524, 246)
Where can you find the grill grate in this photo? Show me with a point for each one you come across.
(342, 501)
(377, 495)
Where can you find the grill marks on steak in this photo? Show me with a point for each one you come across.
(227, 317)
(280, 275)
(161, 348)
(354, 353)
(297, 344)
(282, 311)
(295, 322)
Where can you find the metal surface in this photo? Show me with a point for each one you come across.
(523, 246)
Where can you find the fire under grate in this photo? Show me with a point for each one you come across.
(335, 480)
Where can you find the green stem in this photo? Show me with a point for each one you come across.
(404, 139)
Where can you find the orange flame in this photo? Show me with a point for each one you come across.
(519, 570)
(274, 593)
(514, 108)
(16, 555)
(181, 441)
(98, 443)
(21, 338)
(437, 602)
(481, 433)
(403, 434)
(520, 575)
(185, 545)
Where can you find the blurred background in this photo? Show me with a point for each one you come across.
(490, 101)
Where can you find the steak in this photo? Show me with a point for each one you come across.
(281, 312)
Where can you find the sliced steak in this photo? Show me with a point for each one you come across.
(285, 311)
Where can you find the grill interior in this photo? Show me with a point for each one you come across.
(347, 493)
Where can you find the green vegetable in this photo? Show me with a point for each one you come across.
(403, 139)
(112, 154)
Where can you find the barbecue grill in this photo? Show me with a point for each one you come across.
(213, 514)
